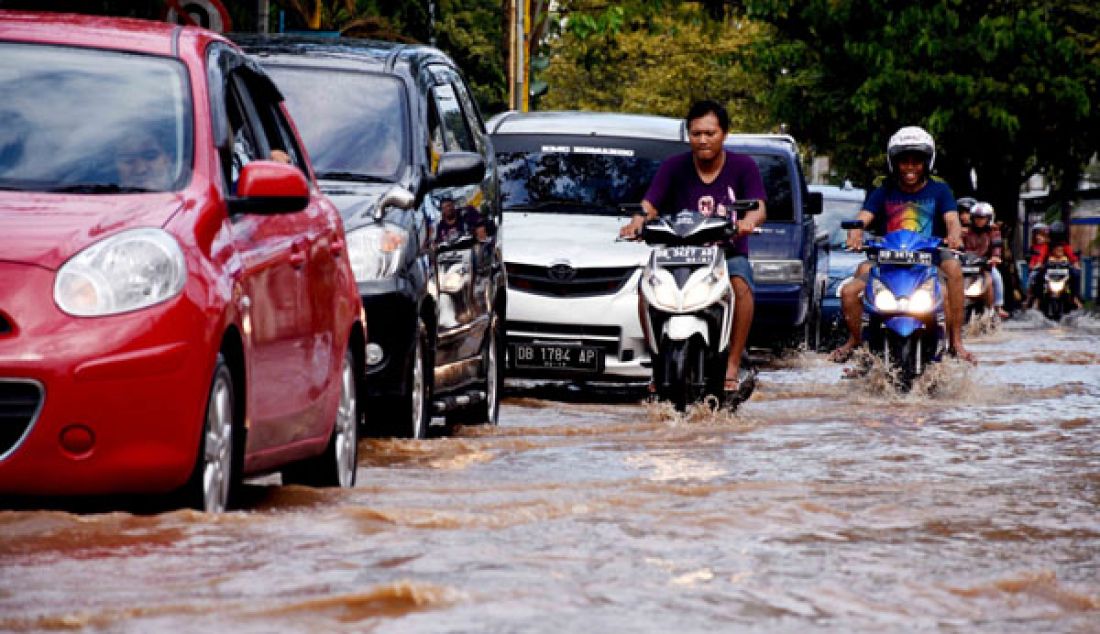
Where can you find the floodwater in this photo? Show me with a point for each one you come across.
(825, 504)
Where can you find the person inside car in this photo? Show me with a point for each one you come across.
(909, 199)
(707, 179)
(142, 163)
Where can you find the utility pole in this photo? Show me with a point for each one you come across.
(519, 71)
(263, 12)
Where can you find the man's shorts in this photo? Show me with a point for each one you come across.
(739, 266)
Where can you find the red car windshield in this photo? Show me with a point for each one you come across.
(92, 121)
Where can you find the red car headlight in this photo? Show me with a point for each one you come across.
(125, 272)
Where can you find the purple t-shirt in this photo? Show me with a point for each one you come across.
(677, 186)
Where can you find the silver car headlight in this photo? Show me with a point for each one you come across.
(128, 271)
(376, 251)
(777, 271)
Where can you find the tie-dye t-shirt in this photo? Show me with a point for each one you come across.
(921, 211)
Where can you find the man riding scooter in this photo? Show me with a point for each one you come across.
(983, 239)
(909, 199)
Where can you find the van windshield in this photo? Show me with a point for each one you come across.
(89, 121)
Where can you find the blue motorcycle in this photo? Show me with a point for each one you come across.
(903, 315)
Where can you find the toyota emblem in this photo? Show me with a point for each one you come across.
(562, 272)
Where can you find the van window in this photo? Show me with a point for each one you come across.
(777, 181)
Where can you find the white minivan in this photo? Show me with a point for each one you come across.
(569, 181)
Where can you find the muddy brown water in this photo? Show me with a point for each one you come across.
(824, 504)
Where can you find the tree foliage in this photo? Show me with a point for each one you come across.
(653, 57)
(1008, 88)
(470, 31)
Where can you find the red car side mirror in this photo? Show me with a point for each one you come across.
(270, 187)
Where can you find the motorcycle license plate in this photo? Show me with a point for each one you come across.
(889, 256)
(685, 256)
(552, 356)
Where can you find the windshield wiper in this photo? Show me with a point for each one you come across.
(98, 188)
(352, 176)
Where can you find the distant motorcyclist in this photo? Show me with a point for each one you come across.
(1042, 240)
(984, 240)
(910, 199)
(965, 205)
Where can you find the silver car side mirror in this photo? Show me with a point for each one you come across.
(395, 196)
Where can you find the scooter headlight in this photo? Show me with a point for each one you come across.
(884, 299)
(975, 288)
(705, 285)
(659, 288)
(922, 300)
(1057, 286)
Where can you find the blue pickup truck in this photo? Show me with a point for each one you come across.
(789, 261)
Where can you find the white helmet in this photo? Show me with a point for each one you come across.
(982, 210)
(911, 139)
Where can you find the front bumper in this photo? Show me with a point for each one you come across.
(391, 324)
(133, 387)
(609, 322)
(778, 307)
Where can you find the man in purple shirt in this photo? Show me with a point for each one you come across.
(708, 179)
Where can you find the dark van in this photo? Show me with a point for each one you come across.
(789, 265)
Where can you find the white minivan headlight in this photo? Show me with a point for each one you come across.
(376, 251)
(127, 271)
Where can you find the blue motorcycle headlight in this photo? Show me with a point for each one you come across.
(884, 300)
(921, 301)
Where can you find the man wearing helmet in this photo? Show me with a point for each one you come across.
(984, 240)
(909, 199)
(965, 205)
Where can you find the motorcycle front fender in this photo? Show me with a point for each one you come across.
(903, 325)
(682, 327)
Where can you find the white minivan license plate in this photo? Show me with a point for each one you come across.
(550, 356)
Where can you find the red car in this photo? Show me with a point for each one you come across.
(177, 309)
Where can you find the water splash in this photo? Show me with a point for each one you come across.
(982, 325)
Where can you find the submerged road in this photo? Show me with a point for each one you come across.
(824, 504)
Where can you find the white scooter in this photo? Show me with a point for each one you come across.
(688, 305)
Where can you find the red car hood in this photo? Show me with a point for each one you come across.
(48, 229)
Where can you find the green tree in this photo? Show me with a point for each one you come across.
(653, 57)
(1008, 88)
(470, 31)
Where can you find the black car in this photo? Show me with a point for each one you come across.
(399, 145)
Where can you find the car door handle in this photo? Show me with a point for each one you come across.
(298, 254)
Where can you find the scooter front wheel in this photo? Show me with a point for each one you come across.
(683, 382)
